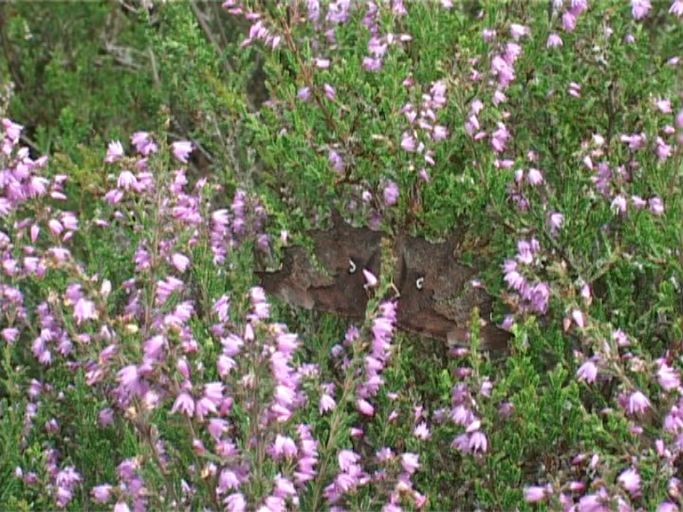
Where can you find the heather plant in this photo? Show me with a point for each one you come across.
(143, 368)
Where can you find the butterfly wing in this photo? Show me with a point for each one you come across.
(331, 279)
(437, 296)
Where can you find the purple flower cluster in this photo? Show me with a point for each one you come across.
(618, 492)
(533, 295)
(259, 30)
(425, 129)
(379, 43)
(23, 191)
(533, 178)
(130, 493)
(568, 12)
(257, 365)
(615, 182)
(59, 483)
(617, 357)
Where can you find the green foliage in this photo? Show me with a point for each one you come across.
(88, 73)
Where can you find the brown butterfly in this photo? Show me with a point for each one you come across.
(334, 282)
(436, 294)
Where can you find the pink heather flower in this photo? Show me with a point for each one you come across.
(181, 150)
(526, 250)
(121, 506)
(503, 70)
(440, 133)
(554, 40)
(217, 427)
(668, 377)
(12, 130)
(224, 365)
(667, 506)
(410, 462)
(488, 34)
(114, 152)
(202, 408)
(143, 143)
(101, 493)
(638, 403)
(574, 90)
(127, 180)
(329, 91)
(213, 397)
(539, 297)
(372, 63)
(166, 287)
(321, 63)
(535, 493)
(518, 31)
(10, 334)
(105, 417)
(640, 8)
(185, 404)
(677, 8)
(235, 503)
(113, 196)
(663, 105)
(534, 177)
(370, 279)
(662, 149)
(422, 431)
(568, 21)
(515, 280)
(578, 318)
(232, 345)
(499, 138)
(287, 342)
(385, 455)
(153, 348)
(556, 221)
(347, 459)
(390, 193)
(228, 479)
(129, 377)
(69, 221)
(656, 205)
(620, 337)
(478, 442)
(304, 94)
(327, 403)
(408, 142)
(630, 480)
(283, 487)
(365, 407)
(619, 205)
(84, 310)
(635, 141)
(221, 307)
(283, 447)
(180, 261)
(587, 372)
(596, 502)
(336, 161)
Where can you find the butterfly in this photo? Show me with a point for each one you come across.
(436, 293)
(333, 281)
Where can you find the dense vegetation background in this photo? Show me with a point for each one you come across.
(141, 369)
